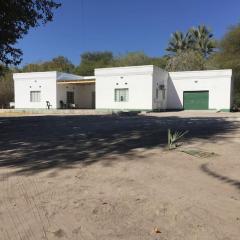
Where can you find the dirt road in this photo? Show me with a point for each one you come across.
(109, 177)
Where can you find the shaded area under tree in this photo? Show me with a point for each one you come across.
(33, 144)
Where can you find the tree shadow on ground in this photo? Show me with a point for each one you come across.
(207, 170)
(34, 144)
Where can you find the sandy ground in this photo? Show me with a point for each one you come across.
(109, 177)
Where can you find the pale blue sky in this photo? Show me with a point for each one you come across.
(123, 25)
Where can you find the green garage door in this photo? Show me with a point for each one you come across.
(195, 100)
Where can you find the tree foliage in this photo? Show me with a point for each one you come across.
(16, 18)
(132, 59)
(61, 64)
(6, 88)
(92, 60)
(199, 39)
(178, 42)
(137, 59)
(228, 56)
(188, 60)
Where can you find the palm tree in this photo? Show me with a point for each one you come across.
(179, 42)
(202, 40)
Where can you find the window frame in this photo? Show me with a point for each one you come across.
(121, 93)
(35, 96)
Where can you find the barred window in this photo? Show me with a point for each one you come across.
(35, 96)
(121, 95)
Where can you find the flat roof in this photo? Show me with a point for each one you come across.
(202, 73)
(60, 76)
(127, 70)
(125, 67)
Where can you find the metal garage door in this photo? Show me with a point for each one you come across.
(195, 100)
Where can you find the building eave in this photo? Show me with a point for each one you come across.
(204, 74)
(125, 71)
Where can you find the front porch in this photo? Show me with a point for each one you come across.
(76, 94)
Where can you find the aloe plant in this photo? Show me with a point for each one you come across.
(174, 137)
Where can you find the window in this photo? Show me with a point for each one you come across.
(121, 95)
(70, 97)
(35, 96)
(163, 91)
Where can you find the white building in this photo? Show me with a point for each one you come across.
(60, 90)
(126, 88)
(132, 88)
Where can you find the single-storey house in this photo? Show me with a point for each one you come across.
(125, 88)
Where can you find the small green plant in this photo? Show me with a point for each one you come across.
(174, 137)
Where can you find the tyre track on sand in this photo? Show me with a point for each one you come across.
(15, 233)
(28, 190)
(23, 219)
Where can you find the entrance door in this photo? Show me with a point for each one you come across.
(70, 98)
(196, 100)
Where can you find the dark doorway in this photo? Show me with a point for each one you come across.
(70, 98)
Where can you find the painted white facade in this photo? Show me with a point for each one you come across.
(141, 82)
(217, 82)
(52, 89)
(149, 88)
(45, 82)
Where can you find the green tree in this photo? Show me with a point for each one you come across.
(61, 64)
(6, 88)
(228, 56)
(201, 39)
(137, 59)
(131, 59)
(159, 61)
(179, 42)
(188, 60)
(92, 60)
(16, 18)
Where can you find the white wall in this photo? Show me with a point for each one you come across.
(217, 82)
(85, 96)
(160, 77)
(137, 79)
(37, 81)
